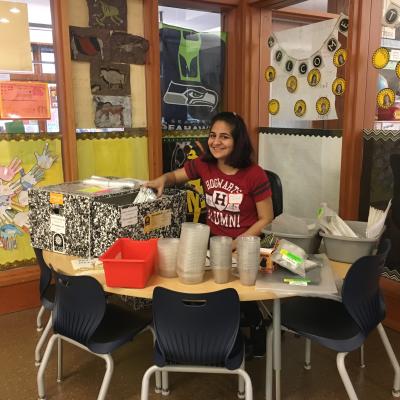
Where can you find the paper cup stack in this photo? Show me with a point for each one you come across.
(248, 248)
(221, 258)
(166, 256)
(192, 252)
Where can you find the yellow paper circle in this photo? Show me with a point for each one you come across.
(397, 69)
(322, 105)
(380, 58)
(340, 57)
(385, 98)
(291, 84)
(273, 106)
(313, 77)
(269, 74)
(338, 86)
(300, 108)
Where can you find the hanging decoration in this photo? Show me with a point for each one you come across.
(391, 15)
(273, 106)
(299, 64)
(397, 69)
(340, 57)
(385, 98)
(380, 58)
(338, 86)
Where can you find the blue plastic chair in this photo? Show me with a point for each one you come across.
(82, 317)
(197, 333)
(47, 292)
(344, 326)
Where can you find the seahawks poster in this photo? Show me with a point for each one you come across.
(192, 74)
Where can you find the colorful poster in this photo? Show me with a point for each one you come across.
(23, 165)
(176, 151)
(192, 76)
(24, 100)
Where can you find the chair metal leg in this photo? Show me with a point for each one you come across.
(164, 383)
(345, 376)
(43, 365)
(307, 357)
(362, 359)
(268, 368)
(241, 384)
(158, 378)
(107, 376)
(41, 342)
(393, 360)
(144, 393)
(39, 326)
(59, 360)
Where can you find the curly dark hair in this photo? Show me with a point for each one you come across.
(242, 154)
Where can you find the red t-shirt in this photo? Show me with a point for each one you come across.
(231, 199)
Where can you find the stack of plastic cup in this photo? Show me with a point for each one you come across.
(248, 249)
(167, 250)
(192, 252)
(221, 258)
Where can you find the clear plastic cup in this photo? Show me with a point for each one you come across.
(248, 276)
(167, 250)
(248, 248)
(221, 258)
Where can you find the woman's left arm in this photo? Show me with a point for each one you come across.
(265, 215)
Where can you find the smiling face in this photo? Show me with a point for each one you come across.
(220, 140)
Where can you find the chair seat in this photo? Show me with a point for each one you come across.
(233, 361)
(47, 298)
(325, 321)
(117, 327)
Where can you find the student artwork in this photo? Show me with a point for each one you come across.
(269, 74)
(313, 77)
(110, 79)
(340, 57)
(273, 106)
(127, 48)
(397, 69)
(88, 44)
(385, 98)
(300, 108)
(15, 181)
(291, 84)
(112, 111)
(338, 86)
(380, 58)
(322, 105)
(309, 70)
(111, 14)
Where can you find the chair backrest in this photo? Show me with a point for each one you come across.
(79, 306)
(45, 271)
(360, 292)
(277, 192)
(198, 329)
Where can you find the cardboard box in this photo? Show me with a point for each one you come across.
(84, 220)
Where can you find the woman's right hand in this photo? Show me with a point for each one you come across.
(158, 184)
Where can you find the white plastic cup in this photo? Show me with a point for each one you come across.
(221, 258)
(248, 249)
(167, 250)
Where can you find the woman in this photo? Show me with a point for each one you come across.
(238, 197)
(237, 191)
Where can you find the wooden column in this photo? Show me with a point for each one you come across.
(153, 90)
(364, 37)
(59, 15)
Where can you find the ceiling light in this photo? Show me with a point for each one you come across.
(4, 21)
(15, 10)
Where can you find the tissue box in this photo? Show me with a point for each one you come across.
(84, 220)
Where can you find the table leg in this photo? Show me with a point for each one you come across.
(277, 347)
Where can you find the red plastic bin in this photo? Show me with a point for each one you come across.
(129, 263)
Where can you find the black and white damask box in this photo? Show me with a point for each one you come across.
(84, 220)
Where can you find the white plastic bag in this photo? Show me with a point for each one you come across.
(291, 257)
(332, 224)
(286, 223)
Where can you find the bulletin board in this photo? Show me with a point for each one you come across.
(24, 100)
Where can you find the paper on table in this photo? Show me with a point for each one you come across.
(85, 264)
(376, 220)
